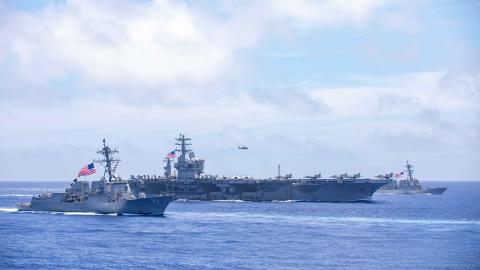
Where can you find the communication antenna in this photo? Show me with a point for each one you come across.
(109, 162)
(183, 142)
(409, 171)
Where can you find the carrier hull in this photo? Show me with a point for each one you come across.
(433, 191)
(264, 190)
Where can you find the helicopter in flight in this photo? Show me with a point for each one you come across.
(243, 147)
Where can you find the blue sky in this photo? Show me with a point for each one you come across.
(318, 86)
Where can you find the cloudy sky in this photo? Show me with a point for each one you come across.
(317, 86)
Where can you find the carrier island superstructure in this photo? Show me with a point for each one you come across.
(189, 182)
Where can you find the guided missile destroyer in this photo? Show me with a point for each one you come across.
(410, 185)
(190, 183)
(112, 195)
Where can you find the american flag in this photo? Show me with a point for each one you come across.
(171, 154)
(87, 170)
(398, 175)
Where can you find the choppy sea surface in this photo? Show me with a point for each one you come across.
(392, 232)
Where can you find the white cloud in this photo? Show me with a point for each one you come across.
(140, 72)
(406, 93)
(312, 13)
(349, 133)
(152, 43)
(115, 43)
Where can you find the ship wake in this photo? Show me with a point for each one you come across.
(8, 210)
(15, 195)
(320, 220)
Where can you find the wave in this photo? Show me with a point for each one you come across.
(410, 221)
(189, 200)
(12, 210)
(186, 200)
(69, 213)
(233, 201)
(9, 210)
(15, 195)
(34, 189)
(81, 214)
(325, 220)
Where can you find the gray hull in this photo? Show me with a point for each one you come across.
(328, 190)
(433, 191)
(99, 204)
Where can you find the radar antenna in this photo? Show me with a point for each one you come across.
(109, 161)
(183, 142)
(187, 167)
(409, 171)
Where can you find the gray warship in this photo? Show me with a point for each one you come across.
(106, 196)
(191, 183)
(410, 185)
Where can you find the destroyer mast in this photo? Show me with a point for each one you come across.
(409, 171)
(109, 162)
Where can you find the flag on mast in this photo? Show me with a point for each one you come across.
(171, 154)
(87, 170)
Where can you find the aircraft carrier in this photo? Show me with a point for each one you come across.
(190, 183)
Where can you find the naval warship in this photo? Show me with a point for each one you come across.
(410, 185)
(190, 183)
(106, 196)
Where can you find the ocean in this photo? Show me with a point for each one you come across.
(391, 232)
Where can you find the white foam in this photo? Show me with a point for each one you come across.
(317, 220)
(16, 195)
(81, 214)
(232, 201)
(188, 200)
(8, 210)
(11, 210)
(408, 221)
(44, 189)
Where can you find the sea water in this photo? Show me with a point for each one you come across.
(391, 232)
